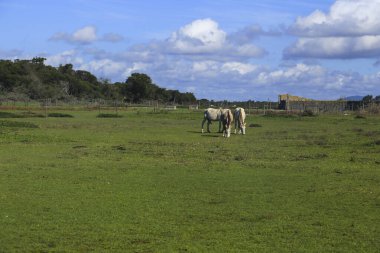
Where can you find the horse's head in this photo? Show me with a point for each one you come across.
(227, 121)
(243, 128)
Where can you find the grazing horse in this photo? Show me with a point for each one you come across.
(211, 114)
(226, 117)
(239, 115)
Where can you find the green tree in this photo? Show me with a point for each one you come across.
(139, 86)
(34, 79)
(367, 99)
(38, 60)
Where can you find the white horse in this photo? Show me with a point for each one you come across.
(240, 120)
(211, 114)
(226, 117)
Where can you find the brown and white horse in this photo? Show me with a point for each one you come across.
(226, 118)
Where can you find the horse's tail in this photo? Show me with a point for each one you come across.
(242, 117)
(230, 117)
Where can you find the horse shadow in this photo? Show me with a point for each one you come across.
(194, 132)
(210, 135)
(213, 135)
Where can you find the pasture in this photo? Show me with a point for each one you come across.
(151, 182)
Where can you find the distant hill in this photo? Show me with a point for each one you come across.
(354, 98)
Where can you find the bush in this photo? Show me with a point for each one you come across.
(359, 116)
(108, 115)
(60, 115)
(308, 113)
(17, 124)
(20, 115)
(30, 114)
(9, 115)
(254, 125)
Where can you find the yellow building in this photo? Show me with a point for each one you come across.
(285, 99)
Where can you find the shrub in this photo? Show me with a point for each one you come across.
(108, 115)
(20, 115)
(359, 116)
(60, 115)
(254, 125)
(4, 123)
(9, 115)
(30, 114)
(308, 113)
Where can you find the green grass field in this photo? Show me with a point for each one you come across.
(151, 182)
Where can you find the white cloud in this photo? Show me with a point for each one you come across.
(204, 37)
(351, 29)
(112, 37)
(136, 67)
(345, 18)
(205, 66)
(86, 35)
(241, 68)
(66, 57)
(200, 36)
(293, 75)
(335, 47)
(250, 33)
(104, 67)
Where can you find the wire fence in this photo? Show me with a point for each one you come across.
(251, 107)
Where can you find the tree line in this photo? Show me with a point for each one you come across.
(32, 79)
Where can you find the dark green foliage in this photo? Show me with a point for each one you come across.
(139, 87)
(9, 115)
(308, 113)
(4, 123)
(20, 115)
(30, 114)
(33, 80)
(367, 99)
(60, 115)
(255, 125)
(360, 116)
(108, 115)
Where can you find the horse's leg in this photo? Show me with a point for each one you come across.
(220, 126)
(208, 126)
(225, 131)
(236, 123)
(203, 122)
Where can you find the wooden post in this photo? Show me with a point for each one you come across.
(46, 101)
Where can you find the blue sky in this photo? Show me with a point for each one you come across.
(234, 50)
